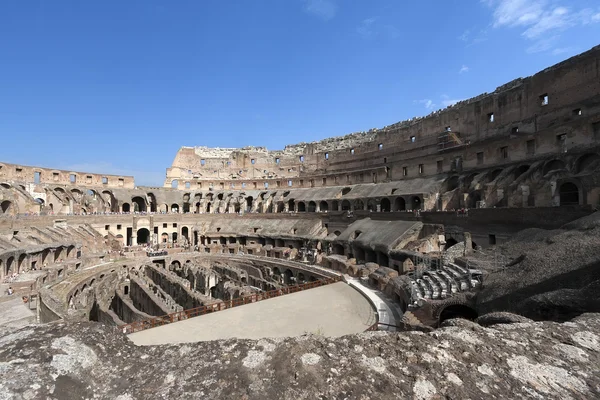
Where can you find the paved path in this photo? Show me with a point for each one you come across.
(332, 310)
(389, 312)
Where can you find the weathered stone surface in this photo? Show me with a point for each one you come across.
(524, 360)
(501, 318)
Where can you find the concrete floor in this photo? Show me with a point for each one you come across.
(331, 310)
(15, 313)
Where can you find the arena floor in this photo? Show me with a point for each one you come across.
(332, 310)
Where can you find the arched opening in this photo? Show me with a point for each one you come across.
(174, 237)
(346, 205)
(569, 194)
(139, 204)
(291, 205)
(385, 205)
(70, 251)
(175, 208)
(186, 208)
(338, 249)
(415, 202)
(473, 199)
(335, 205)
(164, 237)
(553, 165)
(280, 207)
(587, 162)
(449, 243)
(143, 236)
(20, 262)
(57, 254)
(152, 202)
(288, 277)
(521, 170)
(457, 311)
(323, 206)
(9, 266)
(359, 205)
(301, 278)
(301, 207)
(346, 190)
(451, 183)
(494, 174)
(312, 206)
(185, 233)
(399, 204)
(5, 206)
(126, 207)
(249, 201)
(208, 207)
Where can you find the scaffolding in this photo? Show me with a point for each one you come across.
(450, 140)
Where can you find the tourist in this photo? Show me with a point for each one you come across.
(10, 291)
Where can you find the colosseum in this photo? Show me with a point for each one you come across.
(469, 238)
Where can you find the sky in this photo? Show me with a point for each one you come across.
(118, 86)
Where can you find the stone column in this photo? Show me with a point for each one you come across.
(468, 243)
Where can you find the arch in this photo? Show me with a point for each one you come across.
(553, 165)
(346, 205)
(9, 266)
(451, 183)
(473, 199)
(457, 311)
(185, 232)
(323, 206)
(143, 236)
(139, 204)
(291, 205)
(335, 205)
(186, 207)
(399, 204)
(521, 170)
(249, 201)
(5, 206)
(569, 194)
(301, 206)
(280, 207)
(359, 204)
(175, 208)
(5, 185)
(22, 258)
(312, 206)
(338, 249)
(152, 201)
(494, 174)
(70, 251)
(587, 162)
(385, 205)
(208, 207)
(57, 253)
(126, 207)
(415, 202)
(164, 238)
(288, 277)
(346, 190)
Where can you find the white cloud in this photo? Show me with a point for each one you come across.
(371, 27)
(447, 101)
(365, 29)
(324, 9)
(463, 69)
(428, 103)
(539, 19)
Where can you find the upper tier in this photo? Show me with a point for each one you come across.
(526, 106)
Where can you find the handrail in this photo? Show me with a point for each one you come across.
(138, 326)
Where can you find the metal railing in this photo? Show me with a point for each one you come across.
(223, 305)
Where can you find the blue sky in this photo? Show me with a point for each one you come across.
(118, 86)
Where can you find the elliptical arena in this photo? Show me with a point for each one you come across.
(394, 228)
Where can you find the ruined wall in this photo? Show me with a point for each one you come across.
(519, 121)
(21, 173)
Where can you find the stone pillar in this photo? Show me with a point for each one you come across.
(525, 194)
(468, 243)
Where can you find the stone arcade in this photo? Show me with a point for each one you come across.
(474, 228)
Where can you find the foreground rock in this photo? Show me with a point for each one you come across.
(461, 361)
